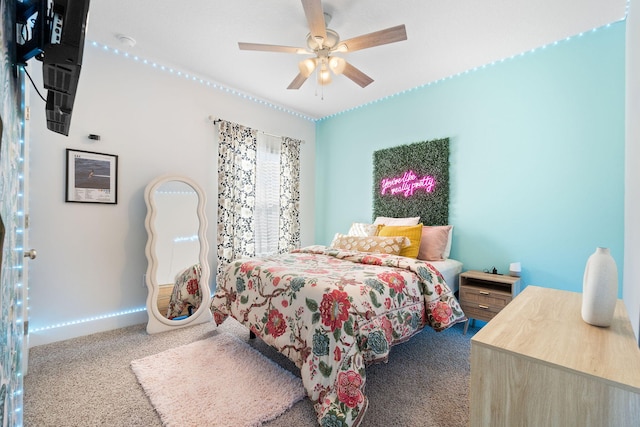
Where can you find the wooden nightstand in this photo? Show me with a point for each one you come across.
(483, 295)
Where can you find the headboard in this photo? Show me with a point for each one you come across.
(411, 180)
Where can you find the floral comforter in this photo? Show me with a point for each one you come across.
(186, 292)
(332, 312)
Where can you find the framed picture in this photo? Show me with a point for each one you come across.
(91, 177)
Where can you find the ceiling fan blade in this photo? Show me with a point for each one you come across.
(377, 38)
(315, 18)
(270, 48)
(356, 75)
(297, 82)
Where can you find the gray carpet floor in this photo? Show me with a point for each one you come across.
(88, 381)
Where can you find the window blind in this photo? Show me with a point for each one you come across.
(267, 207)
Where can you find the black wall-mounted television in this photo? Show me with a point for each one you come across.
(53, 31)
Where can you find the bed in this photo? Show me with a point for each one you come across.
(450, 270)
(185, 296)
(332, 311)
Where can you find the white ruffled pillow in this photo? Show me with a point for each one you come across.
(362, 229)
(385, 220)
(447, 249)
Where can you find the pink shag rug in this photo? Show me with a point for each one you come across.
(219, 381)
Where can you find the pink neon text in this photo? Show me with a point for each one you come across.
(407, 184)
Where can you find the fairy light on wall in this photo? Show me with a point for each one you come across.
(18, 249)
(88, 319)
(478, 68)
(202, 81)
(235, 92)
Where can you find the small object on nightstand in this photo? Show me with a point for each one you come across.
(515, 268)
(483, 295)
(491, 270)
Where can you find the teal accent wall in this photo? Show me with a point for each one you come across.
(536, 157)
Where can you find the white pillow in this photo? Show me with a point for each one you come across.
(384, 220)
(362, 229)
(447, 249)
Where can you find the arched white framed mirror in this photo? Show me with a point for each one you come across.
(177, 250)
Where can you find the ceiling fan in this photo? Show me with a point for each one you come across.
(324, 43)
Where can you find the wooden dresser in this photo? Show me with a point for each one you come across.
(537, 363)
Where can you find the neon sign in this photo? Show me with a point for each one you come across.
(407, 184)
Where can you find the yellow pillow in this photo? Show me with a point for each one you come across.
(413, 232)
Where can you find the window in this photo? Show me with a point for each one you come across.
(267, 209)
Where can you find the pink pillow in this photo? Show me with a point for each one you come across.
(434, 242)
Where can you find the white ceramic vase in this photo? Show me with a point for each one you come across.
(599, 288)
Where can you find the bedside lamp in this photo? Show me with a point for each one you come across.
(515, 269)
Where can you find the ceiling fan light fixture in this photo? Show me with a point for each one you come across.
(337, 64)
(324, 75)
(306, 66)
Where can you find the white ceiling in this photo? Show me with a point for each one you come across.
(444, 38)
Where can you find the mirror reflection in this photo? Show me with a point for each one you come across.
(177, 250)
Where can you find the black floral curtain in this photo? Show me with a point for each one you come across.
(237, 193)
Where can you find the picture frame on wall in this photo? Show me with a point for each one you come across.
(91, 177)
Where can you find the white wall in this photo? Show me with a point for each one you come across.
(632, 179)
(91, 257)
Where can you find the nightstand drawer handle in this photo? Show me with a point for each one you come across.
(483, 306)
(484, 293)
